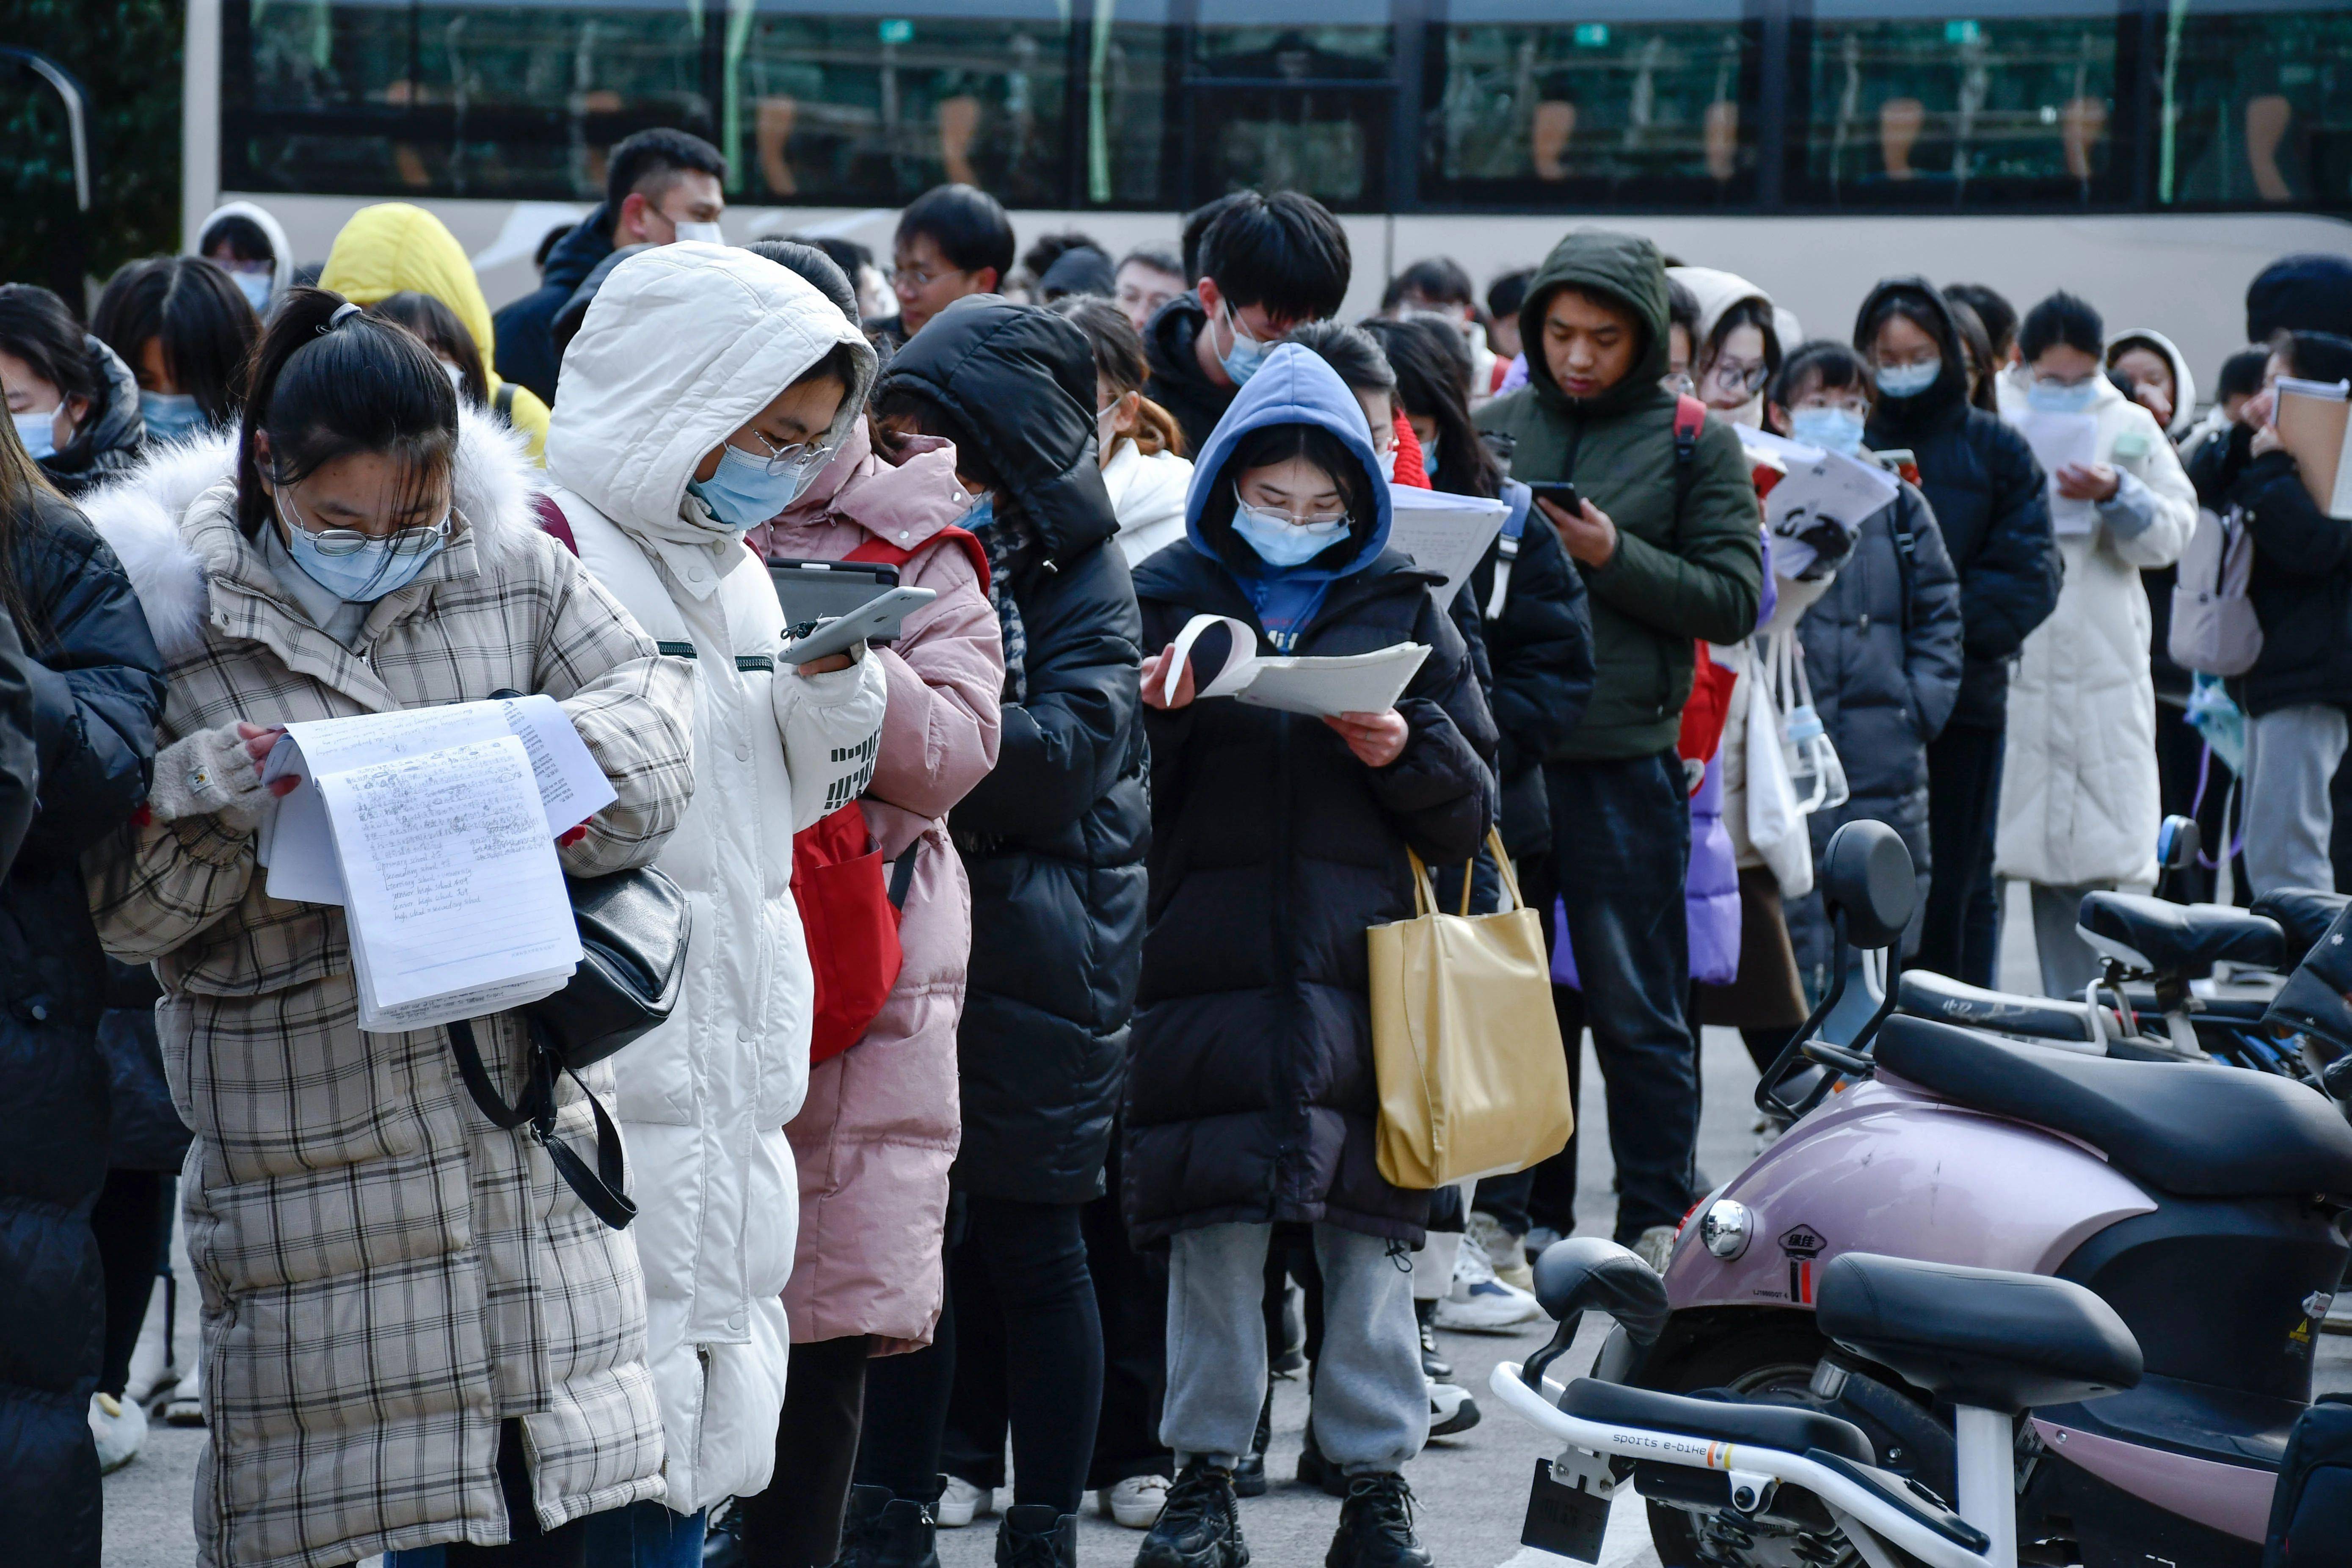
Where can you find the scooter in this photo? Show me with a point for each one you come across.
(2077, 1293)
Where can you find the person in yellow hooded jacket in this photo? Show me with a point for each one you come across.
(394, 247)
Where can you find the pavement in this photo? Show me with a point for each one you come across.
(1471, 1490)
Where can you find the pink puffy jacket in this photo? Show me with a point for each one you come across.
(878, 1131)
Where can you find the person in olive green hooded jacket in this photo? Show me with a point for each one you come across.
(1667, 540)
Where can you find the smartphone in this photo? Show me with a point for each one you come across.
(875, 621)
(1562, 493)
(813, 591)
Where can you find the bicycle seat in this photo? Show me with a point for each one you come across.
(2188, 1128)
(2184, 939)
(2304, 915)
(1980, 1336)
(1924, 994)
(1789, 1427)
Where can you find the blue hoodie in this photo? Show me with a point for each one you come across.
(1293, 386)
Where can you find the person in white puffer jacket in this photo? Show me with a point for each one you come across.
(2079, 799)
(1136, 441)
(707, 388)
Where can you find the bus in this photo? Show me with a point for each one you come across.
(2152, 154)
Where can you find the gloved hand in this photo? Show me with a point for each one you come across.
(209, 774)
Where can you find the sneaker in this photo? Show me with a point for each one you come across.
(1479, 1303)
(1505, 1253)
(1538, 1238)
(903, 1535)
(1134, 1502)
(119, 1426)
(1451, 1411)
(1249, 1475)
(1036, 1535)
(1316, 1471)
(1376, 1526)
(961, 1502)
(1432, 1364)
(1655, 1246)
(1201, 1527)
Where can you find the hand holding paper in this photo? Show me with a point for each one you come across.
(1362, 683)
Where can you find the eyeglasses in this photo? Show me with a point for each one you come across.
(1680, 386)
(799, 455)
(921, 279)
(1297, 520)
(341, 541)
(1743, 377)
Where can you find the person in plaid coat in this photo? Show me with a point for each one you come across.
(413, 1333)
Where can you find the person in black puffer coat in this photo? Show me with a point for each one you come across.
(96, 431)
(97, 689)
(1992, 501)
(20, 758)
(1278, 839)
(1054, 843)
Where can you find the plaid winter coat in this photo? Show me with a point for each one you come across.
(386, 1276)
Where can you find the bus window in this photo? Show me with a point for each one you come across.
(1645, 104)
(444, 99)
(874, 102)
(1913, 105)
(1130, 110)
(2258, 104)
(1295, 93)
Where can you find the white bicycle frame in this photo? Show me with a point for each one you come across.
(1988, 1497)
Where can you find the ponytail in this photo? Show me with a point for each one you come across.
(327, 381)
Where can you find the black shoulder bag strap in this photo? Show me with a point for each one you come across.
(600, 1189)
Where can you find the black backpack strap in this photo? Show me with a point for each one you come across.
(902, 874)
(1907, 564)
(503, 401)
(600, 1189)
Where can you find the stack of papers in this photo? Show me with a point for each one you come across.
(1350, 683)
(434, 829)
(1819, 503)
(2059, 440)
(1446, 533)
(2315, 424)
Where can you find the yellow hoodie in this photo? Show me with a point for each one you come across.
(395, 248)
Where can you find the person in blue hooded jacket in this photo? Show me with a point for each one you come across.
(1276, 839)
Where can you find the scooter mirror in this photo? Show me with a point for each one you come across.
(1585, 1272)
(1867, 873)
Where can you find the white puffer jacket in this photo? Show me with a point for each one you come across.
(1147, 496)
(2078, 789)
(683, 346)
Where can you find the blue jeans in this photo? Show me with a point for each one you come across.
(645, 1535)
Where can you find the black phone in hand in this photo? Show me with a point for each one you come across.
(1562, 493)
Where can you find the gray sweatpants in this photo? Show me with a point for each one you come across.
(1372, 1404)
(2291, 755)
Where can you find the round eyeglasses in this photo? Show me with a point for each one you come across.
(342, 541)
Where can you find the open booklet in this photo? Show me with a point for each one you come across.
(434, 829)
(2315, 424)
(1443, 533)
(1347, 683)
(1818, 491)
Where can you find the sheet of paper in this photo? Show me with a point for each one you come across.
(1347, 683)
(2058, 440)
(1446, 533)
(453, 887)
(2314, 424)
(1818, 490)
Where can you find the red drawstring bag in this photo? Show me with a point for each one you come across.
(852, 923)
(1708, 706)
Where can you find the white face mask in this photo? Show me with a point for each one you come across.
(1388, 464)
(709, 233)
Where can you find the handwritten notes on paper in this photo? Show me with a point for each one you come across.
(1443, 533)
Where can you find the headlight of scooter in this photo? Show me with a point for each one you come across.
(1724, 1228)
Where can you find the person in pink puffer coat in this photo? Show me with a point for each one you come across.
(879, 1129)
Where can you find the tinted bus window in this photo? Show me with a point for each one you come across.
(2257, 104)
(1913, 105)
(473, 101)
(1133, 106)
(1646, 104)
(1295, 93)
(851, 102)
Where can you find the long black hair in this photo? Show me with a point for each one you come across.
(203, 321)
(37, 327)
(437, 327)
(329, 383)
(1432, 381)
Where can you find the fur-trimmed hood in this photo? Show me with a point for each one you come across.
(149, 516)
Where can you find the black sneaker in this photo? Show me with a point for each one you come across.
(1034, 1535)
(1249, 1473)
(1434, 1366)
(1199, 1527)
(1315, 1470)
(865, 1506)
(902, 1536)
(1376, 1526)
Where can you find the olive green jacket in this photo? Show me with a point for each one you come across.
(1688, 564)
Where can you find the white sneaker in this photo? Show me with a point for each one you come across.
(119, 1426)
(962, 1503)
(1505, 1253)
(1478, 1302)
(1136, 1501)
(1450, 1409)
(1655, 1246)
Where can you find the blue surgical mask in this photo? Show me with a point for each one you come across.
(38, 432)
(1831, 429)
(743, 493)
(2046, 396)
(170, 415)
(255, 286)
(377, 567)
(1908, 380)
(1281, 542)
(1242, 360)
(982, 512)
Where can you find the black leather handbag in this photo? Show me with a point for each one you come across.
(633, 933)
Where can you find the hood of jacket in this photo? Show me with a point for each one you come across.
(903, 502)
(1947, 392)
(683, 345)
(112, 428)
(394, 247)
(1021, 381)
(282, 265)
(1718, 291)
(2184, 383)
(1293, 386)
(1624, 267)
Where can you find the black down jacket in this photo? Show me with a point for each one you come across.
(1992, 501)
(1249, 1089)
(20, 756)
(1539, 670)
(1883, 654)
(110, 437)
(2301, 580)
(97, 689)
(1053, 838)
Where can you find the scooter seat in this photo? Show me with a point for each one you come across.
(2188, 1128)
(2304, 915)
(2184, 939)
(1788, 1427)
(1980, 1336)
(1924, 994)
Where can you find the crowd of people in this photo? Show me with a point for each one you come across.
(1097, 1164)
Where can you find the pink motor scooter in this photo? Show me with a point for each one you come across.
(2206, 1205)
